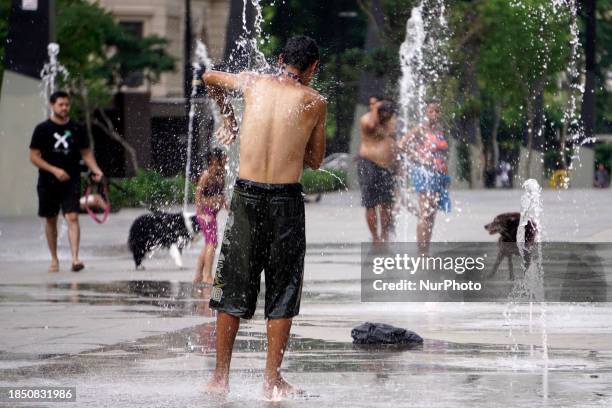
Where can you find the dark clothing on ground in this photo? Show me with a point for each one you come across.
(265, 231)
(377, 184)
(60, 146)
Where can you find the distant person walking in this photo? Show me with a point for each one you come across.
(504, 178)
(376, 166)
(56, 148)
(426, 148)
(602, 178)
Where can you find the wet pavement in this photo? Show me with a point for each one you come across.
(145, 338)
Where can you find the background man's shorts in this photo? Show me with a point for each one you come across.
(377, 184)
(55, 195)
(265, 231)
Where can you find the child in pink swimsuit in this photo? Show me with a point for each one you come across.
(209, 200)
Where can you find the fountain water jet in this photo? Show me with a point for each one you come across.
(422, 60)
(531, 286)
(250, 58)
(201, 61)
(49, 74)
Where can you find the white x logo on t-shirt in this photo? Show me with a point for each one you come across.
(61, 140)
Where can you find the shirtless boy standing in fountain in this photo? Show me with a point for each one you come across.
(282, 131)
(375, 166)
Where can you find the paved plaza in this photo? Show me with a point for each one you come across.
(145, 338)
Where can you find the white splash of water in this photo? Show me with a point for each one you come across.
(412, 88)
(574, 76)
(336, 177)
(247, 45)
(201, 60)
(260, 62)
(531, 286)
(531, 210)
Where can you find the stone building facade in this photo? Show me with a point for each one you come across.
(166, 18)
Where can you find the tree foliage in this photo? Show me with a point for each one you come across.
(604, 66)
(100, 55)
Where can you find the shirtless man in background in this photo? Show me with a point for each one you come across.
(375, 166)
(282, 131)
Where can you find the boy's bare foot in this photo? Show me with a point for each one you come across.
(54, 267)
(217, 386)
(277, 389)
(77, 266)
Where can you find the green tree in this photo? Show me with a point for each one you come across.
(100, 55)
(604, 66)
(523, 50)
(505, 57)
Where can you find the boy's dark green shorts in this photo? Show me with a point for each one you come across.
(265, 231)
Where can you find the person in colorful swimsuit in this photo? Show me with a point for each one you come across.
(426, 148)
(209, 200)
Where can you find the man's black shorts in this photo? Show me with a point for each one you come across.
(265, 231)
(377, 184)
(53, 195)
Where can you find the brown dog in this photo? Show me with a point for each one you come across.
(506, 225)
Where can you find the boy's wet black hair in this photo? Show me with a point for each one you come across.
(58, 94)
(215, 154)
(300, 52)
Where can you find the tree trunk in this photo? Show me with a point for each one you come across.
(85, 100)
(477, 148)
(494, 131)
(588, 100)
(562, 145)
(106, 125)
(369, 83)
(478, 155)
(534, 107)
(530, 119)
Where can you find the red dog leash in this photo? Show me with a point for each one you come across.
(103, 191)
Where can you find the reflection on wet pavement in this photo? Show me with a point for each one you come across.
(167, 368)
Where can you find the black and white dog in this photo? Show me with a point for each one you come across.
(156, 230)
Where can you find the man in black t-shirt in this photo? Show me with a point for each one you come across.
(57, 146)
